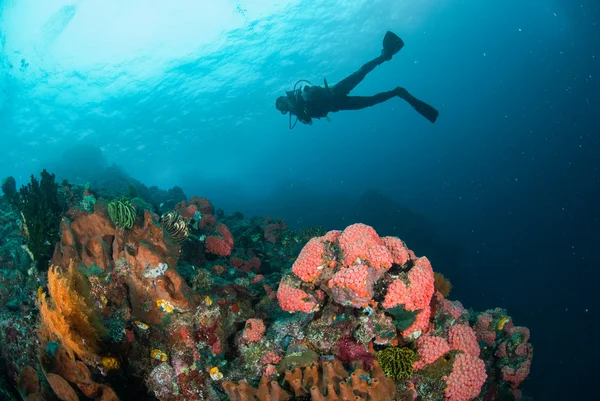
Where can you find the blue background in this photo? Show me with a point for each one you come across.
(502, 193)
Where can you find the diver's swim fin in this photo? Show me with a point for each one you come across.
(420, 106)
(391, 45)
(425, 110)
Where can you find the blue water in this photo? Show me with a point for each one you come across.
(502, 192)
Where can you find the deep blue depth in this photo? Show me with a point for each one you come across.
(501, 193)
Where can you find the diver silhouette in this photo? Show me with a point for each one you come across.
(313, 101)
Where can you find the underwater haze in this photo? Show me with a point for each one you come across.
(501, 192)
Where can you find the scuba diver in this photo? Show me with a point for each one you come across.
(310, 101)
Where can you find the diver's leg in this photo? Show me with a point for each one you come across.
(347, 84)
(361, 102)
(392, 44)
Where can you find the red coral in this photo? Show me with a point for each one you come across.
(331, 236)
(254, 330)
(254, 263)
(309, 263)
(516, 354)
(271, 357)
(221, 242)
(348, 351)
(186, 211)
(353, 286)
(203, 204)
(484, 328)
(207, 222)
(272, 229)
(360, 241)
(467, 378)
(295, 300)
(453, 308)
(397, 249)
(430, 348)
(462, 337)
(419, 291)
(236, 262)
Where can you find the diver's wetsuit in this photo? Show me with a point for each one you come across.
(317, 102)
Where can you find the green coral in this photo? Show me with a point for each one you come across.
(122, 212)
(396, 362)
(42, 211)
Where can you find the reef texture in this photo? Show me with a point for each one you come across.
(193, 304)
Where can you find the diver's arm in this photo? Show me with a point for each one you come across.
(304, 118)
(301, 111)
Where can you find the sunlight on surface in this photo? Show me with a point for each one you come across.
(83, 34)
(175, 77)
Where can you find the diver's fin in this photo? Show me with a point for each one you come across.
(424, 109)
(427, 111)
(391, 45)
(420, 106)
(325, 83)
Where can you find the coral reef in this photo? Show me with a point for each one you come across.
(178, 301)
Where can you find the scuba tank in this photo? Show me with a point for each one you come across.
(298, 92)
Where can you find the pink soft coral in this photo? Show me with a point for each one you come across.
(467, 378)
(254, 330)
(309, 263)
(295, 300)
(430, 349)
(361, 242)
(462, 337)
(418, 293)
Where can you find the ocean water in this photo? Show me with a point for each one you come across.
(502, 192)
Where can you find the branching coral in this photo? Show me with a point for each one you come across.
(69, 317)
